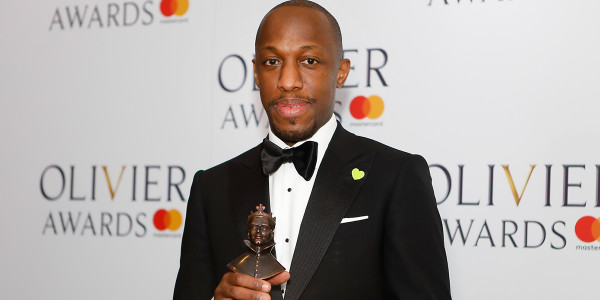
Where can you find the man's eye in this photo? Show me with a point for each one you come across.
(271, 62)
(310, 61)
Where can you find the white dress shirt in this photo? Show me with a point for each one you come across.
(289, 193)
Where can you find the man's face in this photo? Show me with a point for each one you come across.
(297, 69)
(260, 232)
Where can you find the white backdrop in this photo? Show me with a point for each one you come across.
(126, 103)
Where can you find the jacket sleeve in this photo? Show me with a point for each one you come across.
(196, 277)
(415, 261)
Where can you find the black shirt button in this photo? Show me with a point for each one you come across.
(289, 189)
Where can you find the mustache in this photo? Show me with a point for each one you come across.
(285, 97)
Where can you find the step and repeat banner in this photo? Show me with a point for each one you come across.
(108, 107)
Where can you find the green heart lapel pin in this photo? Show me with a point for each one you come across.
(357, 174)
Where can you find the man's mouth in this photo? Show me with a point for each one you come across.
(291, 108)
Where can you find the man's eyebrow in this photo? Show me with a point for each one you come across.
(308, 47)
(270, 48)
(305, 47)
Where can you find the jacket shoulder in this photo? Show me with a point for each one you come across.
(382, 150)
(250, 157)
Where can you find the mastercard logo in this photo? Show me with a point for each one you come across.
(588, 229)
(177, 7)
(362, 107)
(167, 219)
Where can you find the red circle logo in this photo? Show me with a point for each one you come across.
(177, 7)
(371, 107)
(167, 219)
(587, 229)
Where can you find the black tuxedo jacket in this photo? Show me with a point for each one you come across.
(397, 253)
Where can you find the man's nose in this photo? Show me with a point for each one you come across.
(290, 78)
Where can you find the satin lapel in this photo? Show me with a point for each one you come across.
(248, 188)
(332, 194)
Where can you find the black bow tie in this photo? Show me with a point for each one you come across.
(304, 158)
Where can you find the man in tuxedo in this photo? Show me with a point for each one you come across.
(355, 219)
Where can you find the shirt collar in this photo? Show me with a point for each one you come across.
(322, 136)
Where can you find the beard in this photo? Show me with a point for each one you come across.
(294, 136)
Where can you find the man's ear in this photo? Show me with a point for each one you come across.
(342, 73)
(255, 75)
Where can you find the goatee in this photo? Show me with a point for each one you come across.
(292, 137)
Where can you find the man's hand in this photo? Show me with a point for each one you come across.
(245, 287)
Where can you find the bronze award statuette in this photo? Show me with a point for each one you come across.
(258, 260)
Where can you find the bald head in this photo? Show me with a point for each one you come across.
(297, 68)
(333, 26)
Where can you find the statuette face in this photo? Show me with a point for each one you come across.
(258, 260)
(259, 231)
